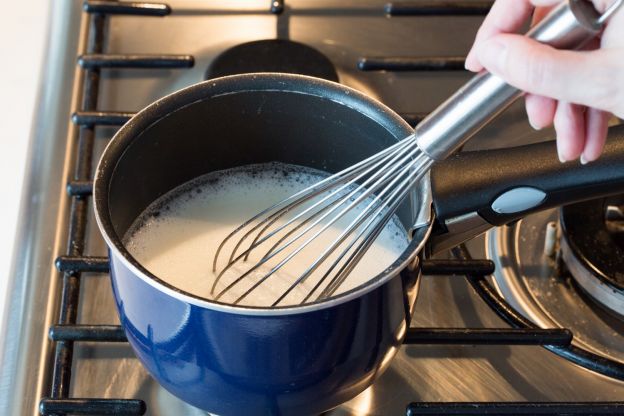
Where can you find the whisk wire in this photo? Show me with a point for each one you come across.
(364, 193)
(391, 204)
(365, 171)
(341, 198)
(367, 242)
(334, 207)
(378, 184)
(376, 203)
(318, 187)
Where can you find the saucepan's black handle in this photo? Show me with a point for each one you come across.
(505, 185)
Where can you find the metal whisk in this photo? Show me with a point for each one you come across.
(380, 182)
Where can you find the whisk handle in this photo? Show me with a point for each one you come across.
(569, 26)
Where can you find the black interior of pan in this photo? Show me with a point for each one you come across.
(241, 128)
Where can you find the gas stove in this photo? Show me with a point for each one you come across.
(523, 320)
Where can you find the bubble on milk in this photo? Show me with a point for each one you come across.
(177, 236)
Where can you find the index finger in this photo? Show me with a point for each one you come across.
(505, 16)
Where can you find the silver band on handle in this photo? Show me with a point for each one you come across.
(569, 26)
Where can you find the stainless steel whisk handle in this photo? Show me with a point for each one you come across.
(569, 26)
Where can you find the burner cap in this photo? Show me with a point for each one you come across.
(273, 55)
(593, 253)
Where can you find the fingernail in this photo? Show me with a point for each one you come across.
(561, 158)
(492, 55)
(584, 160)
(535, 126)
(469, 63)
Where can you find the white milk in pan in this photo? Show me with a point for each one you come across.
(177, 236)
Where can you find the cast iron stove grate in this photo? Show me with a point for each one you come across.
(66, 332)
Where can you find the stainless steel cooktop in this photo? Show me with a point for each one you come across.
(344, 31)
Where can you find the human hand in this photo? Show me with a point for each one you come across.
(577, 91)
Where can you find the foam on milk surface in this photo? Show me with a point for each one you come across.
(177, 236)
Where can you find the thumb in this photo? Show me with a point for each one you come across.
(580, 77)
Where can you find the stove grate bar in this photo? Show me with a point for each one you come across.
(101, 118)
(411, 63)
(78, 264)
(78, 216)
(515, 408)
(429, 267)
(126, 8)
(80, 188)
(482, 336)
(438, 8)
(577, 355)
(457, 267)
(49, 406)
(414, 336)
(92, 333)
(91, 61)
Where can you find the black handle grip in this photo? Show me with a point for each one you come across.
(475, 181)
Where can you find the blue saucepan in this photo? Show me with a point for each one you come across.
(234, 360)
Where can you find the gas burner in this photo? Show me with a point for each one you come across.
(273, 55)
(592, 248)
(534, 284)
